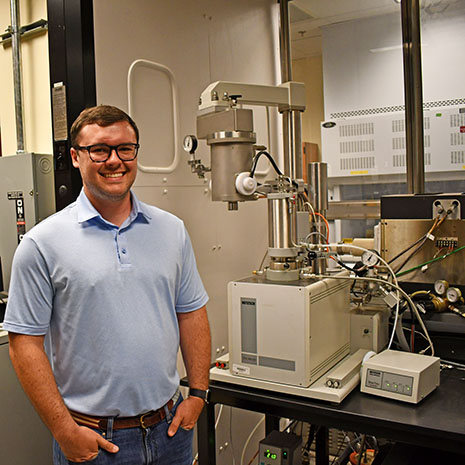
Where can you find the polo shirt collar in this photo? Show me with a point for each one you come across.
(86, 211)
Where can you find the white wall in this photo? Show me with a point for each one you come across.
(363, 67)
(309, 70)
(36, 93)
(201, 42)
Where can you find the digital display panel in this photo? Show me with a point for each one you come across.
(270, 455)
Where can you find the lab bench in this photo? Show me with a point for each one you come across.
(438, 422)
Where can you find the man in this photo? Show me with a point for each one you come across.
(110, 285)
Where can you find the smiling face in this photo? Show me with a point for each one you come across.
(110, 181)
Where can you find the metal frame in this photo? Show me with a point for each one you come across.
(72, 62)
(435, 423)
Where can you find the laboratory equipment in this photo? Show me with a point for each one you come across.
(422, 237)
(369, 328)
(287, 332)
(315, 336)
(400, 375)
(280, 448)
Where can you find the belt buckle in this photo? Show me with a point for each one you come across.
(141, 419)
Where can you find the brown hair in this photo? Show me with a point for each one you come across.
(103, 115)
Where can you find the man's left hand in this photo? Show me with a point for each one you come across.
(186, 416)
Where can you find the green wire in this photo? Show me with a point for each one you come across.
(430, 261)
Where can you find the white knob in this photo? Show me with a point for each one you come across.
(245, 185)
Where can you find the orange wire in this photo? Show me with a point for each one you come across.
(253, 458)
(327, 225)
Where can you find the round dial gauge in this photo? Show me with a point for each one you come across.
(190, 143)
(370, 258)
(441, 286)
(453, 295)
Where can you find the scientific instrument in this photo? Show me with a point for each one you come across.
(400, 375)
(309, 354)
(280, 448)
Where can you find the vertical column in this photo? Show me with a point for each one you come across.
(17, 75)
(286, 75)
(72, 71)
(413, 91)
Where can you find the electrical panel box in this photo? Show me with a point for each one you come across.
(290, 333)
(280, 448)
(400, 375)
(26, 197)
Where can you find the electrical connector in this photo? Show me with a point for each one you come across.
(391, 299)
(222, 365)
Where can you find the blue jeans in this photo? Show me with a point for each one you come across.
(139, 447)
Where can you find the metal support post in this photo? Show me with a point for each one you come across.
(286, 75)
(413, 96)
(17, 76)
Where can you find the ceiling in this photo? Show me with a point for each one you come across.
(308, 16)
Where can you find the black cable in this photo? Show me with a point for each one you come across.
(290, 425)
(357, 271)
(270, 158)
(361, 450)
(417, 249)
(422, 240)
(311, 437)
(406, 250)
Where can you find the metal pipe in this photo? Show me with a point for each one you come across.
(318, 197)
(287, 150)
(286, 75)
(18, 86)
(285, 42)
(318, 186)
(297, 149)
(410, 10)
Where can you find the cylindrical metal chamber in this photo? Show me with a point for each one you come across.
(318, 186)
(318, 197)
(231, 154)
(282, 225)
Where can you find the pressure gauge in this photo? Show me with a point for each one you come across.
(453, 295)
(370, 258)
(190, 144)
(441, 286)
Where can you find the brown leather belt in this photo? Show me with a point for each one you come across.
(140, 421)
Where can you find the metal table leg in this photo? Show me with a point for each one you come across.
(271, 423)
(206, 441)
(322, 446)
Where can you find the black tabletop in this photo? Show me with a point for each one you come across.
(437, 422)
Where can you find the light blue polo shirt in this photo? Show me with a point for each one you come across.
(108, 299)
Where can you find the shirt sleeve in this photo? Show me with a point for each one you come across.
(190, 293)
(30, 295)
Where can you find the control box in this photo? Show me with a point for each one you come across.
(368, 329)
(400, 375)
(280, 448)
(26, 197)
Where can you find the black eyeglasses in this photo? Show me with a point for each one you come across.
(100, 153)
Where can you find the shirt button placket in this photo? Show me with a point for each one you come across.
(122, 247)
